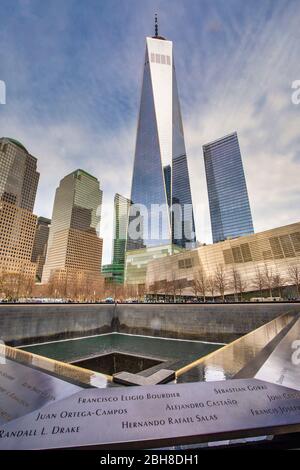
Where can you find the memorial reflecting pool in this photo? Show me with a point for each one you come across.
(191, 361)
(47, 373)
(114, 352)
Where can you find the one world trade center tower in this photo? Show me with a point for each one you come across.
(161, 203)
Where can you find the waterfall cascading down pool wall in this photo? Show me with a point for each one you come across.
(22, 324)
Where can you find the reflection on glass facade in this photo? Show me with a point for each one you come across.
(168, 176)
(39, 249)
(121, 209)
(114, 272)
(160, 173)
(183, 228)
(181, 191)
(229, 206)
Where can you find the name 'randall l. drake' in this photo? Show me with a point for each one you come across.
(26, 433)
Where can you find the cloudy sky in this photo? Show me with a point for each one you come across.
(73, 70)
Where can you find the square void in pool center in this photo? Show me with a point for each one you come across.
(115, 362)
(118, 352)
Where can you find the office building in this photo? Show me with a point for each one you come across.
(40, 245)
(230, 212)
(114, 272)
(248, 265)
(161, 213)
(160, 172)
(18, 174)
(121, 212)
(74, 247)
(18, 185)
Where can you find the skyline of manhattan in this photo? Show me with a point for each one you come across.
(68, 145)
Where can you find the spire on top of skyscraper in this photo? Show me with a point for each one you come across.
(156, 36)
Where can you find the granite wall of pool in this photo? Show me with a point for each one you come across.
(22, 324)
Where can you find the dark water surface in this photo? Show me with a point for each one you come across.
(158, 348)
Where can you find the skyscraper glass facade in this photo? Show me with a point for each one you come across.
(121, 211)
(229, 206)
(74, 244)
(160, 173)
(39, 249)
(114, 272)
(168, 183)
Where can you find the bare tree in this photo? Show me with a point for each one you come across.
(294, 277)
(173, 286)
(18, 281)
(141, 291)
(211, 286)
(258, 281)
(110, 289)
(77, 286)
(73, 288)
(94, 288)
(234, 282)
(99, 288)
(237, 284)
(59, 284)
(278, 282)
(221, 280)
(202, 283)
(8, 286)
(131, 291)
(155, 289)
(2, 288)
(195, 286)
(181, 284)
(268, 279)
(27, 286)
(86, 288)
(126, 291)
(120, 292)
(242, 286)
(164, 288)
(16, 285)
